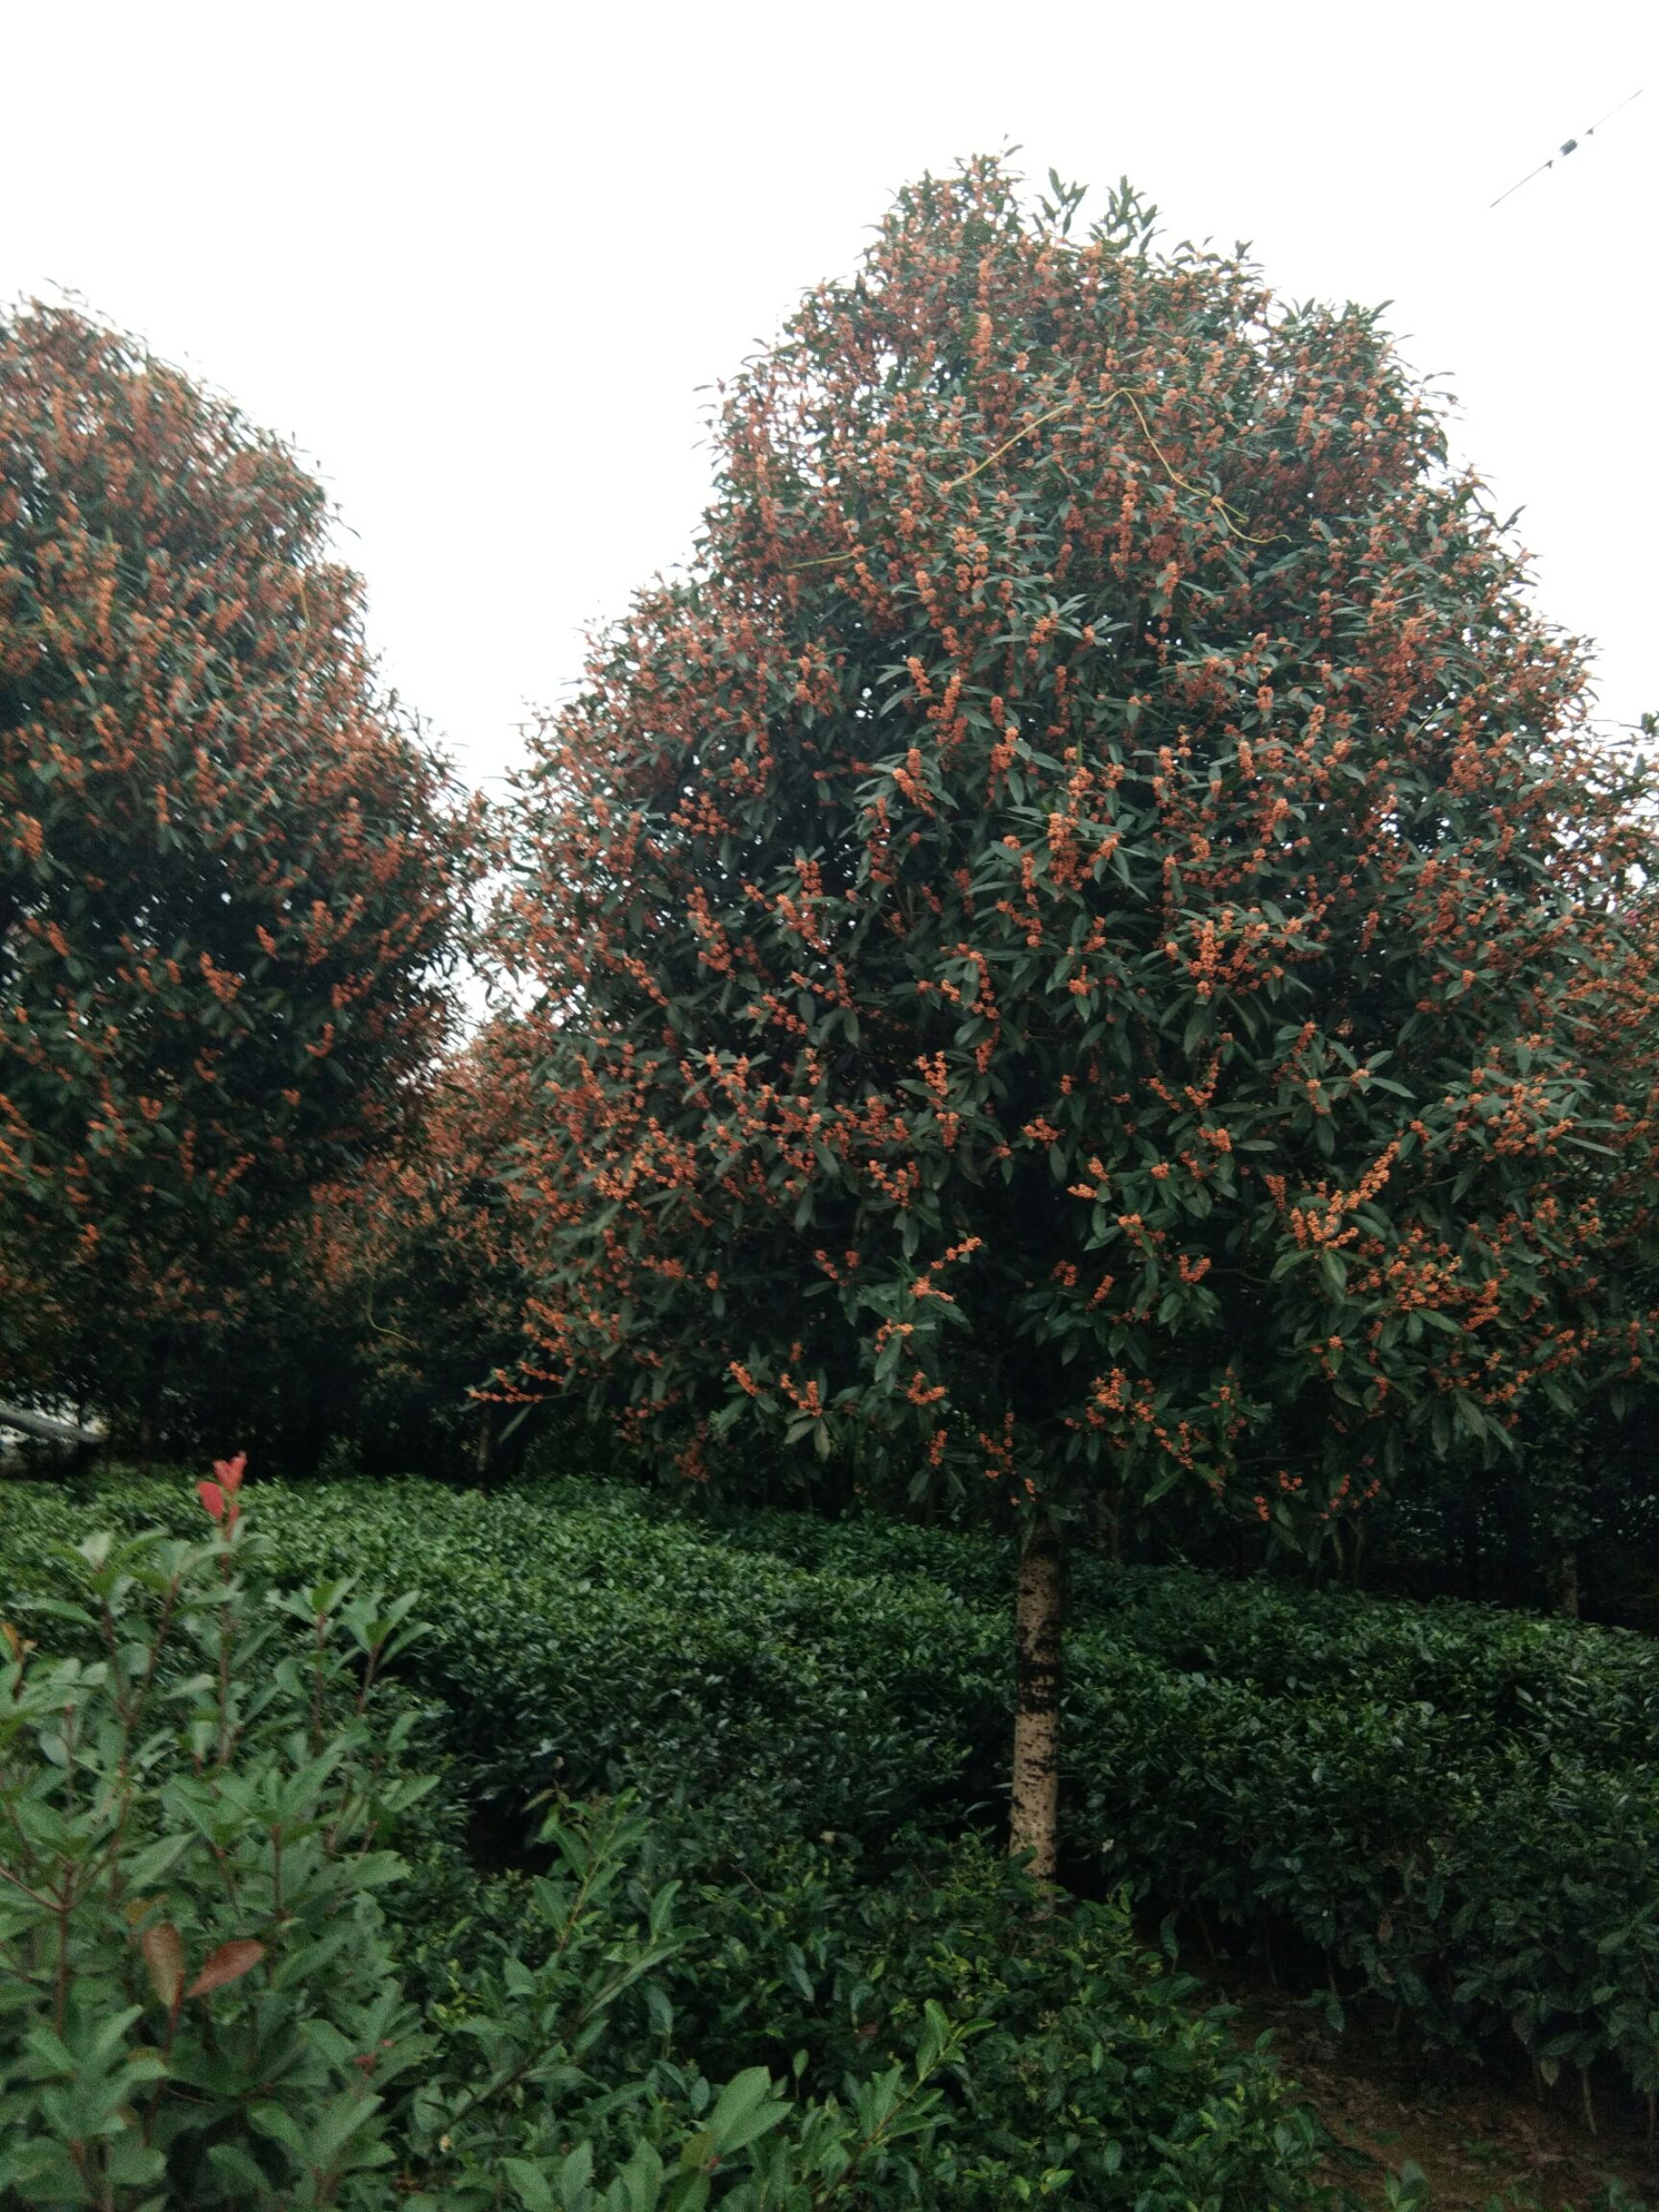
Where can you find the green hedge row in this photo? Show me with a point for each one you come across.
(597, 1646)
(1453, 1806)
(1546, 1683)
(594, 1646)
(1457, 1806)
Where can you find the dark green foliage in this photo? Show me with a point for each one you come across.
(595, 1648)
(1082, 945)
(200, 2003)
(1570, 1521)
(946, 2042)
(1452, 1807)
(1086, 2058)
(230, 869)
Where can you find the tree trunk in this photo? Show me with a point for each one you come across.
(1567, 1581)
(1109, 1522)
(150, 1405)
(29, 1423)
(485, 1447)
(1033, 1820)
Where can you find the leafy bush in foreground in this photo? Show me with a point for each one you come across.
(202, 1818)
(1453, 1810)
(1088, 2058)
(200, 2004)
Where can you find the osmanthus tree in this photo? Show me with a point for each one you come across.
(412, 1267)
(229, 870)
(1085, 944)
(377, 1336)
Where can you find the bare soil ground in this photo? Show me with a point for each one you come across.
(1480, 2143)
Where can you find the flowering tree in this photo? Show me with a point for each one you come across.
(227, 867)
(412, 1267)
(1084, 946)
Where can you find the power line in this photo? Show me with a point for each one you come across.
(1569, 146)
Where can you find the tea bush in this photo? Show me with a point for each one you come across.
(204, 1907)
(1454, 1807)
(200, 2004)
(1449, 1810)
(1087, 2057)
(598, 1647)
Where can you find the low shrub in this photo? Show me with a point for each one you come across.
(1545, 1682)
(1452, 1809)
(200, 2004)
(1092, 2073)
(599, 1648)
(1504, 1897)
(203, 1904)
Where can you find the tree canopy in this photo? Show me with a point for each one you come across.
(412, 1264)
(1087, 937)
(230, 870)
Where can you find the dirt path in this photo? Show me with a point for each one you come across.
(1479, 2144)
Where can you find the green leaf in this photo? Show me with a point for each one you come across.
(534, 2190)
(742, 2111)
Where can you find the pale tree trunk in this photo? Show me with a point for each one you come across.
(29, 1423)
(1034, 1815)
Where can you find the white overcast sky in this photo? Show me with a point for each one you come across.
(475, 260)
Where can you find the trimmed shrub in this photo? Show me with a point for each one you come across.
(263, 2004)
(1452, 1808)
